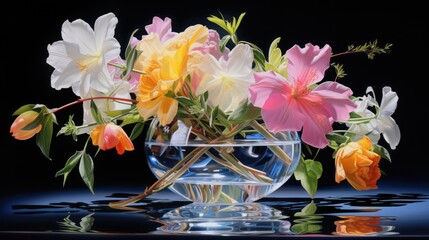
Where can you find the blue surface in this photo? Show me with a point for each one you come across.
(391, 211)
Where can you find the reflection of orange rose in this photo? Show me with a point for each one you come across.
(358, 225)
(356, 163)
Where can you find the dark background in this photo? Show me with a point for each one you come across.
(26, 75)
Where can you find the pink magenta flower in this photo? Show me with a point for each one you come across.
(292, 104)
(108, 136)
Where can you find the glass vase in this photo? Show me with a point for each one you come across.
(241, 169)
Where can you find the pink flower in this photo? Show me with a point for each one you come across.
(108, 136)
(211, 46)
(162, 28)
(291, 104)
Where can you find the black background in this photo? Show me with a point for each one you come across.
(26, 75)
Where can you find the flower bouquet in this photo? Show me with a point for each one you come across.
(199, 85)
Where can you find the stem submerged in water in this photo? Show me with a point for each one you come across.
(276, 149)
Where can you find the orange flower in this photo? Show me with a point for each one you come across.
(358, 225)
(22, 121)
(108, 136)
(358, 164)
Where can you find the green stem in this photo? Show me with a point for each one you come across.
(276, 149)
(186, 162)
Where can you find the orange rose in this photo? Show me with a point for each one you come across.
(358, 225)
(108, 136)
(21, 122)
(358, 164)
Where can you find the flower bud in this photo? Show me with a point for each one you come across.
(22, 121)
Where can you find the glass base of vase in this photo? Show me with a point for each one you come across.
(225, 219)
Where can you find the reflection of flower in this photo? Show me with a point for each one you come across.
(358, 225)
(218, 87)
(358, 164)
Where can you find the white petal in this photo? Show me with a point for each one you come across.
(80, 33)
(66, 78)
(390, 131)
(104, 28)
(58, 57)
(111, 49)
(240, 59)
(388, 102)
(102, 81)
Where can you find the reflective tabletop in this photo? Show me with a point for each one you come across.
(391, 211)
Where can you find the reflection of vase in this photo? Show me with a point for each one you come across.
(239, 170)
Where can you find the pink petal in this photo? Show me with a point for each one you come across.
(317, 124)
(282, 114)
(161, 27)
(302, 61)
(266, 84)
(336, 98)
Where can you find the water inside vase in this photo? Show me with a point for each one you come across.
(213, 179)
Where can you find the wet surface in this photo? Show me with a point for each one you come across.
(347, 213)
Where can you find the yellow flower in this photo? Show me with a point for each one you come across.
(358, 164)
(108, 136)
(22, 121)
(165, 68)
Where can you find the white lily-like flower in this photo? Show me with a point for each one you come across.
(380, 122)
(227, 80)
(80, 59)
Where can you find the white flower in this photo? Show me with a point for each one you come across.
(381, 122)
(227, 80)
(80, 59)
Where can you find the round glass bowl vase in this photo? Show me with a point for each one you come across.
(240, 170)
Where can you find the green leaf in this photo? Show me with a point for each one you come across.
(44, 137)
(213, 115)
(308, 172)
(184, 101)
(25, 108)
(382, 152)
(223, 119)
(70, 164)
(245, 112)
(36, 122)
(274, 53)
(259, 57)
(129, 48)
(338, 138)
(96, 113)
(223, 42)
(86, 170)
(131, 58)
(131, 118)
(306, 228)
(308, 210)
(137, 130)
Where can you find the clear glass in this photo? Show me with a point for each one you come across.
(222, 172)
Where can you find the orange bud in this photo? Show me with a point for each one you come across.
(25, 118)
(108, 136)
